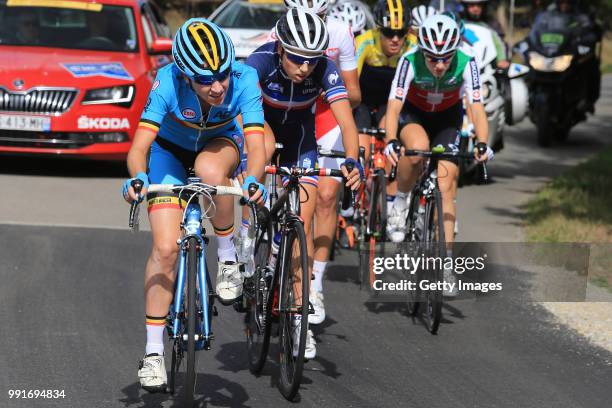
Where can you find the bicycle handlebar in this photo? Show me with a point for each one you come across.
(302, 172)
(450, 155)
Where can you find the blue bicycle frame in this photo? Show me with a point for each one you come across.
(192, 227)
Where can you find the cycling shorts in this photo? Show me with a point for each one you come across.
(442, 128)
(299, 146)
(171, 164)
(363, 119)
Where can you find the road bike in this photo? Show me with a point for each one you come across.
(189, 321)
(281, 264)
(425, 232)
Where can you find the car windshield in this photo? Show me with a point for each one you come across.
(77, 25)
(242, 14)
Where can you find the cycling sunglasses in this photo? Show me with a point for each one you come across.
(390, 33)
(439, 58)
(210, 79)
(299, 60)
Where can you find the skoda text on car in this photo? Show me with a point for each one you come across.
(248, 22)
(76, 74)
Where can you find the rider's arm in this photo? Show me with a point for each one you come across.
(253, 123)
(348, 67)
(404, 74)
(473, 93)
(344, 116)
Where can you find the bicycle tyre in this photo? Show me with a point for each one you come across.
(378, 206)
(192, 269)
(292, 363)
(259, 314)
(434, 237)
(414, 296)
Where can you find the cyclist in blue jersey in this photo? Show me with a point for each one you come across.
(293, 72)
(189, 122)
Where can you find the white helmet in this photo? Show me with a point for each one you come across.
(351, 13)
(303, 33)
(420, 14)
(315, 6)
(439, 35)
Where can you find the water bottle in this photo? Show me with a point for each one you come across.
(274, 253)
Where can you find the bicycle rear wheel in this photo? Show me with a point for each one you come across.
(259, 289)
(436, 246)
(192, 270)
(295, 267)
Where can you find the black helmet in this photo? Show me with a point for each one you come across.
(393, 14)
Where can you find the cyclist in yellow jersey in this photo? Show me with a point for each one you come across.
(378, 52)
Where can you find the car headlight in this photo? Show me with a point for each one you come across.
(555, 64)
(117, 95)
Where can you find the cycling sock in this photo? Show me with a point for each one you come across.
(244, 227)
(226, 250)
(318, 270)
(390, 199)
(401, 200)
(155, 335)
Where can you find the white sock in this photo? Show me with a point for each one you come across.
(244, 228)
(226, 250)
(318, 270)
(401, 200)
(348, 213)
(155, 339)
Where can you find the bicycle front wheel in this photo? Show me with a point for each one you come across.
(293, 313)
(258, 291)
(192, 270)
(377, 218)
(436, 247)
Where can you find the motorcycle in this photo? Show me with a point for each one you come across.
(560, 65)
(504, 92)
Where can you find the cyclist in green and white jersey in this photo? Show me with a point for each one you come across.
(431, 78)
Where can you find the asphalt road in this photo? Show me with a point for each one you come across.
(72, 306)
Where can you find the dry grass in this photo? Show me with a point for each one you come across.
(577, 207)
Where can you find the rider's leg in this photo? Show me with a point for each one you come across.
(165, 216)
(412, 136)
(215, 165)
(447, 181)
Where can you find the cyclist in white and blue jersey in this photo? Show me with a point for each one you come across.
(189, 122)
(293, 72)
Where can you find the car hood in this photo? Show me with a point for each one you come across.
(247, 40)
(36, 66)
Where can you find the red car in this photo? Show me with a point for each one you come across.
(75, 74)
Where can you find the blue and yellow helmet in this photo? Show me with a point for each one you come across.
(201, 48)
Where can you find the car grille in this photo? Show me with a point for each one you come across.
(47, 101)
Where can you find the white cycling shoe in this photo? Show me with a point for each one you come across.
(316, 299)
(152, 373)
(396, 224)
(229, 281)
(310, 351)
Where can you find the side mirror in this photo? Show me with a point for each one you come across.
(161, 46)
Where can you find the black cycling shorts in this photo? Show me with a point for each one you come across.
(442, 128)
(363, 118)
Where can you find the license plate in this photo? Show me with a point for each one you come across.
(24, 122)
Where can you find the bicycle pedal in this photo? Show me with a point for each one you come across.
(215, 311)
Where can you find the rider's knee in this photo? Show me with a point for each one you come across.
(211, 175)
(165, 253)
(326, 197)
